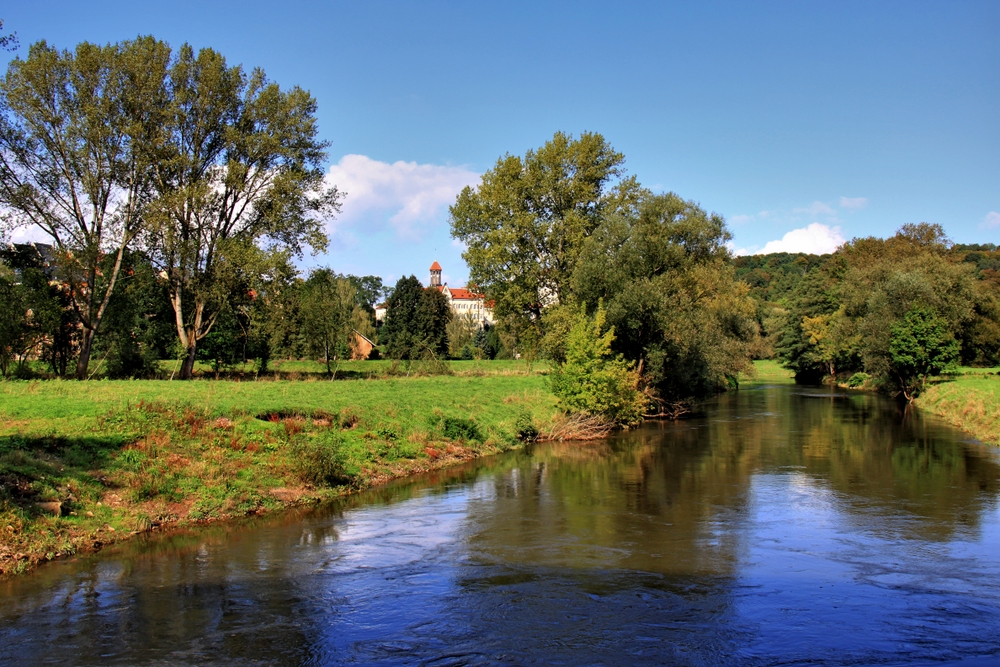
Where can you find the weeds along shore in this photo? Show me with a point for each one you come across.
(86, 464)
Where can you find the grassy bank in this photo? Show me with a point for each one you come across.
(970, 400)
(86, 464)
(768, 371)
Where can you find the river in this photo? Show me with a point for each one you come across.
(784, 526)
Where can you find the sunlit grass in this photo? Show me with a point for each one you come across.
(769, 371)
(121, 456)
(969, 400)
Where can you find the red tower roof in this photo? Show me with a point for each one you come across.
(435, 266)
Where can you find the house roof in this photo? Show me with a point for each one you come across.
(435, 266)
(462, 293)
(361, 335)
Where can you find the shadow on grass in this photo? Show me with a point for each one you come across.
(53, 469)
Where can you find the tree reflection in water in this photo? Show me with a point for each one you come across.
(782, 525)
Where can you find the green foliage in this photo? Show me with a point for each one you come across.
(239, 166)
(457, 428)
(593, 380)
(857, 311)
(525, 224)
(664, 276)
(83, 121)
(326, 306)
(525, 426)
(322, 460)
(416, 322)
(859, 380)
(921, 345)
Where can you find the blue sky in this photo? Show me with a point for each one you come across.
(803, 123)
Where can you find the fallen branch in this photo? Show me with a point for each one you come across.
(577, 427)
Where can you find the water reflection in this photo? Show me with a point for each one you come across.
(783, 526)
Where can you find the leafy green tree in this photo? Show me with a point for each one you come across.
(139, 322)
(327, 307)
(664, 276)
(461, 331)
(13, 324)
(40, 309)
(399, 333)
(433, 317)
(74, 132)
(416, 321)
(921, 345)
(843, 315)
(594, 380)
(526, 222)
(238, 166)
(369, 290)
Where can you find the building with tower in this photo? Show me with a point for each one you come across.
(462, 300)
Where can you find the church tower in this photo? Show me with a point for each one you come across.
(435, 274)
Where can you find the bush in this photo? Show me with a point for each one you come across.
(525, 425)
(128, 361)
(859, 380)
(456, 428)
(593, 380)
(323, 461)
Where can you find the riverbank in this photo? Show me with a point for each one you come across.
(969, 400)
(83, 465)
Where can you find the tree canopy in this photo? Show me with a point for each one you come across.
(416, 321)
(525, 224)
(75, 127)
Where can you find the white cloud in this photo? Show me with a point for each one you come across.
(27, 234)
(991, 220)
(406, 196)
(854, 203)
(738, 252)
(816, 208)
(816, 238)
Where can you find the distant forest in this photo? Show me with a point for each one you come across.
(867, 308)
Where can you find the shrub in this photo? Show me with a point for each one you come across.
(456, 428)
(858, 380)
(525, 425)
(323, 461)
(593, 380)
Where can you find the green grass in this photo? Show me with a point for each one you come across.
(303, 369)
(769, 371)
(127, 455)
(969, 399)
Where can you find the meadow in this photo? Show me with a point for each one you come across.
(83, 464)
(969, 399)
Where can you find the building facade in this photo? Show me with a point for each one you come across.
(463, 301)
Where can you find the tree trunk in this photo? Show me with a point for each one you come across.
(86, 345)
(187, 368)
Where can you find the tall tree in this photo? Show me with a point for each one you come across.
(74, 127)
(416, 321)
(239, 166)
(526, 222)
(664, 276)
(326, 306)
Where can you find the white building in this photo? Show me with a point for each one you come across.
(462, 300)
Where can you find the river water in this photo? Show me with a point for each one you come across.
(784, 526)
